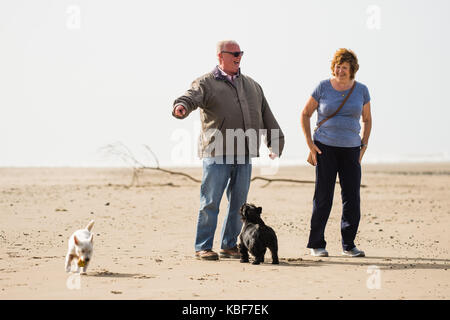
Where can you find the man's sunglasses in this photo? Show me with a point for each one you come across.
(236, 54)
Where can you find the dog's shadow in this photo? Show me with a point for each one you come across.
(109, 274)
(288, 262)
(386, 263)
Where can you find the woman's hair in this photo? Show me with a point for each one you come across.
(344, 55)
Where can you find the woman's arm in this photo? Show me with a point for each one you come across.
(308, 110)
(366, 128)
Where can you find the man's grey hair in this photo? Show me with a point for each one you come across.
(221, 45)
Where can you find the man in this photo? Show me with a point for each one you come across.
(232, 109)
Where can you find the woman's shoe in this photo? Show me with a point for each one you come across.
(320, 252)
(355, 252)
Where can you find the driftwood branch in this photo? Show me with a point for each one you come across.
(269, 181)
(123, 152)
(120, 150)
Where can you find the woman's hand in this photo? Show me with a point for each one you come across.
(314, 151)
(361, 153)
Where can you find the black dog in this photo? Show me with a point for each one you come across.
(256, 236)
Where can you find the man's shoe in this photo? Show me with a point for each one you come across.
(232, 253)
(355, 252)
(320, 252)
(206, 255)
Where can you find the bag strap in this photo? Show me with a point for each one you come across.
(340, 107)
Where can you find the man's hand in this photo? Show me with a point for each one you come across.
(179, 111)
(272, 155)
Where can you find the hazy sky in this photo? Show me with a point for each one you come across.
(77, 75)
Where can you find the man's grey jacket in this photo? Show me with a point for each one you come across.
(233, 116)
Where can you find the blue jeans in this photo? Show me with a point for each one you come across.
(217, 177)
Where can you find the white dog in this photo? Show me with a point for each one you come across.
(81, 246)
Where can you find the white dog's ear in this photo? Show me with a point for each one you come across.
(91, 239)
(76, 240)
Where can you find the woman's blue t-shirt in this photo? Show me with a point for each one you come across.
(343, 129)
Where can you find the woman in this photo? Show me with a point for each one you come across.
(338, 148)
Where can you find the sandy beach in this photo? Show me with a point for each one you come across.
(144, 234)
